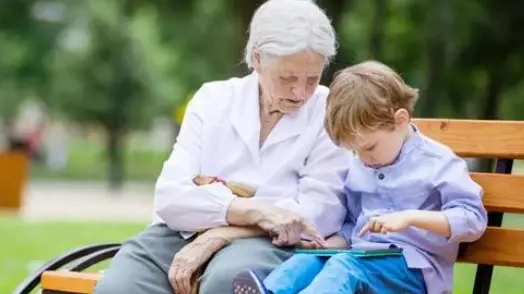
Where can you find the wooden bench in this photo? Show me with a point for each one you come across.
(500, 140)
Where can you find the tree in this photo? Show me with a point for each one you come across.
(336, 10)
(27, 36)
(116, 76)
(436, 47)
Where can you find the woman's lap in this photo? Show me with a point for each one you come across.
(142, 263)
(241, 255)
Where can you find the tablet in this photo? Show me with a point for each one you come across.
(359, 253)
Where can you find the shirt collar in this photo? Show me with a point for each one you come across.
(409, 144)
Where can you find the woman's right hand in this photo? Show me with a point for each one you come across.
(286, 227)
(283, 226)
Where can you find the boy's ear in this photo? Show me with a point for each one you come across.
(402, 117)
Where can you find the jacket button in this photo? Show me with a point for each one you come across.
(381, 176)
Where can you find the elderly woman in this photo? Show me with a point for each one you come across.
(264, 130)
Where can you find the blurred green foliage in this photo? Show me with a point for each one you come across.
(120, 64)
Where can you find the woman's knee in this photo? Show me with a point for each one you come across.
(218, 277)
(229, 262)
(132, 272)
(347, 263)
(108, 285)
(135, 279)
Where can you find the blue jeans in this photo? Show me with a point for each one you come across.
(345, 273)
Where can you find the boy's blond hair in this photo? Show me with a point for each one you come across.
(365, 97)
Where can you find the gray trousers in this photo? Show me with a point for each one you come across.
(141, 265)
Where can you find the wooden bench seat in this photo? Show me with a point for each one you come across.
(504, 192)
(69, 282)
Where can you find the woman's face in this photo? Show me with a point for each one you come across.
(288, 82)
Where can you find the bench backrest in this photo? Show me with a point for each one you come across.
(13, 173)
(503, 191)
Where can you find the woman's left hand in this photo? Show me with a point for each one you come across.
(191, 257)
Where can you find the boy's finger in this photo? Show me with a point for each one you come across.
(377, 225)
(364, 230)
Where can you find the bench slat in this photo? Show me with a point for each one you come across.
(502, 193)
(497, 246)
(477, 138)
(74, 282)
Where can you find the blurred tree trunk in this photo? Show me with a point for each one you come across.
(491, 101)
(436, 45)
(336, 9)
(242, 11)
(115, 149)
(490, 111)
(116, 122)
(121, 91)
(115, 131)
(380, 15)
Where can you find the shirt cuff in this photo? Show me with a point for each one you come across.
(208, 207)
(457, 223)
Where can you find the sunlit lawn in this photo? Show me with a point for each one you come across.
(27, 244)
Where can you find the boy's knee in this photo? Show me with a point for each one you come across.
(300, 260)
(344, 260)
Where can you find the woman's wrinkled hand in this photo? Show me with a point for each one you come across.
(286, 227)
(191, 257)
(335, 241)
(309, 245)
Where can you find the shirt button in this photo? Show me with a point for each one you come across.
(381, 176)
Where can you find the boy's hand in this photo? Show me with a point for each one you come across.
(393, 222)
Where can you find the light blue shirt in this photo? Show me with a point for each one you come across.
(426, 176)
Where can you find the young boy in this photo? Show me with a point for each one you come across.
(403, 190)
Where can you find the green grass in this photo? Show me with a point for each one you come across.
(87, 161)
(27, 244)
(24, 243)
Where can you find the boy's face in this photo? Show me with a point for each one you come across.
(381, 147)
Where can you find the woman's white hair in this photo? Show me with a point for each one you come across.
(286, 27)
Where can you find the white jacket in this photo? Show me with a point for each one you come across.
(298, 167)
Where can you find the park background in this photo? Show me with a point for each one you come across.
(94, 91)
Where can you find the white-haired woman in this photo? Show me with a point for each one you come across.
(264, 130)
